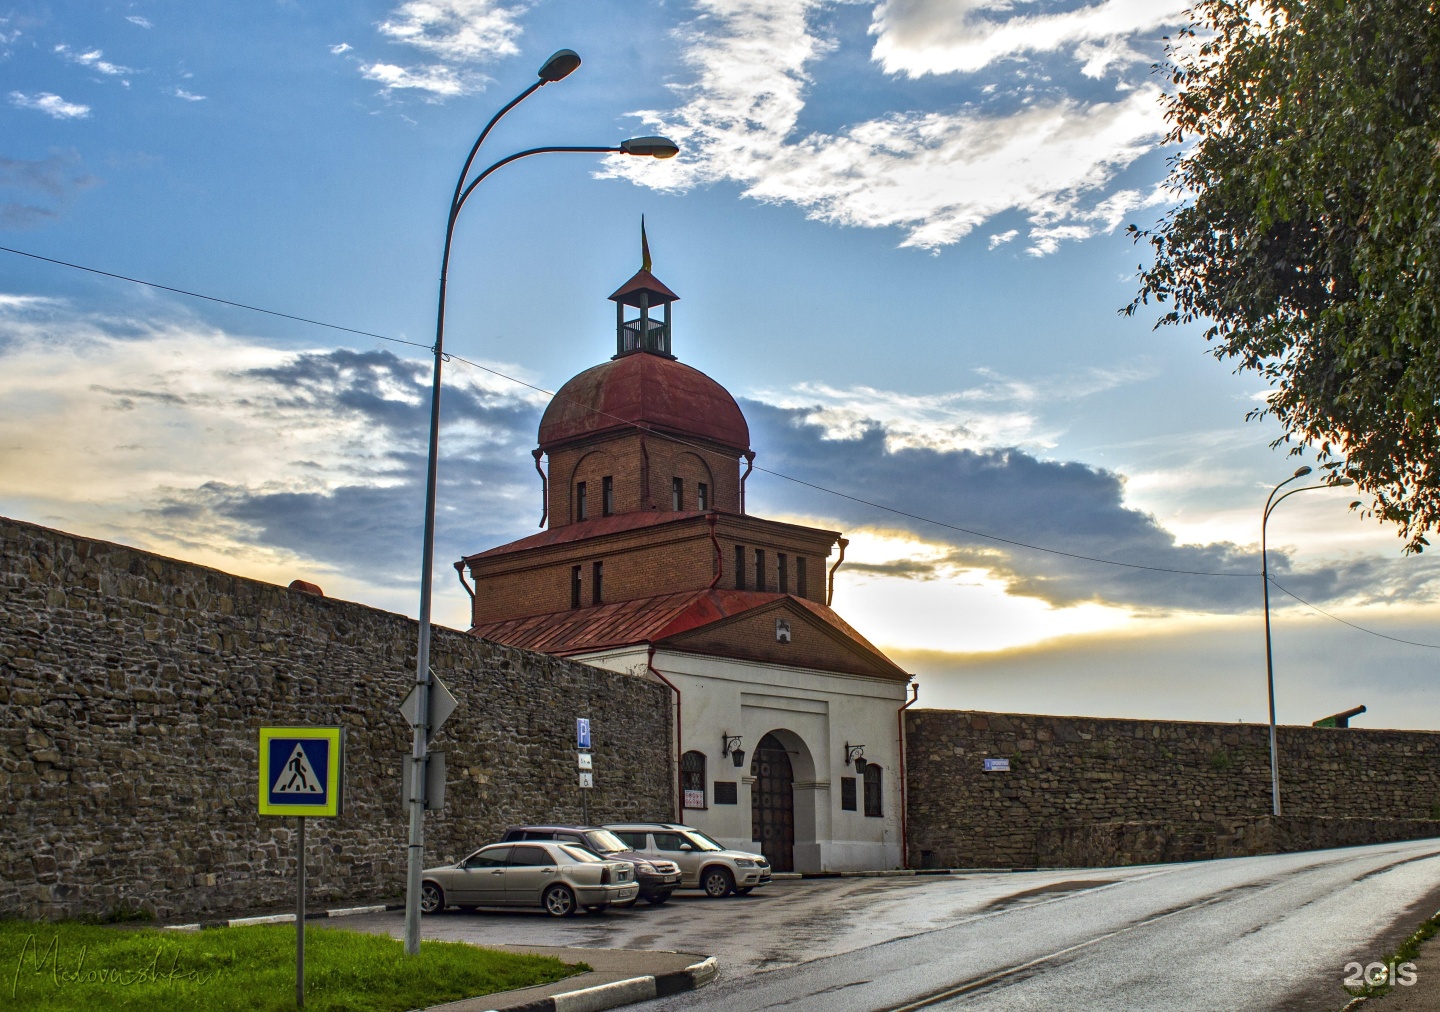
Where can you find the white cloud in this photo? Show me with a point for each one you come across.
(997, 413)
(50, 104)
(94, 60)
(1001, 238)
(457, 33)
(918, 37)
(938, 175)
(136, 19)
(437, 79)
(188, 96)
(343, 47)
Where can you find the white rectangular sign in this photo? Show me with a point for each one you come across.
(585, 760)
(587, 779)
(694, 799)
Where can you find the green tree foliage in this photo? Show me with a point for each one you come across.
(1308, 228)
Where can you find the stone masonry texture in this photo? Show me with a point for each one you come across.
(132, 691)
(1089, 791)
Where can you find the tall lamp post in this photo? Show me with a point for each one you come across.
(1270, 503)
(557, 67)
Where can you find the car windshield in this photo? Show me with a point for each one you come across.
(579, 854)
(700, 841)
(602, 841)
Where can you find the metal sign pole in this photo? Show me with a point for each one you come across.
(300, 919)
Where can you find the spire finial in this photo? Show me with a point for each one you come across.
(644, 247)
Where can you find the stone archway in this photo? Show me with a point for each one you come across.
(779, 816)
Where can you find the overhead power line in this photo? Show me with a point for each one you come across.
(1352, 625)
(778, 474)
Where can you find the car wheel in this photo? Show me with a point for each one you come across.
(717, 882)
(559, 901)
(743, 890)
(432, 898)
(655, 899)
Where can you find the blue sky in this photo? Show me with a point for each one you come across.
(898, 233)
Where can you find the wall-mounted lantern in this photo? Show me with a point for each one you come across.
(730, 745)
(856, 754)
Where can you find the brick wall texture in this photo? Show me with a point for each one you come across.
(1087, 791)
(132, 688)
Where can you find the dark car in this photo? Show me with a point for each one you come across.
(657, 878)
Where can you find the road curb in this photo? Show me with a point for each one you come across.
(310, 915)
(625, 992)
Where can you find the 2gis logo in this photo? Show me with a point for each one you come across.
(1380, 974)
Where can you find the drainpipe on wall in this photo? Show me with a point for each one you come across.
(460, 572)
(537, 453)
(679, 798)
(830, 593)
(904, 812)
(749, 466)
(719, 556)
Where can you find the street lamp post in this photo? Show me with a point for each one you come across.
(557, 67)
(1270, 503)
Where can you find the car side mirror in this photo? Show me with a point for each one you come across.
(686, 846)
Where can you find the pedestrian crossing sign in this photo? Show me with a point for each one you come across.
(302, 770)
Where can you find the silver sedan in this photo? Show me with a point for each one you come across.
(555, 876)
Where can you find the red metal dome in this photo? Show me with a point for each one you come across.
(648, 390)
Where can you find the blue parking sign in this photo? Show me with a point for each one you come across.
(582, 732)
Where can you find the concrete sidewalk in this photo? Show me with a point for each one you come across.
(618, 977)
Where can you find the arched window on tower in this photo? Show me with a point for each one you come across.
(692, 779)
(874, 802)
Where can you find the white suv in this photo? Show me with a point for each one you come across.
(704, 864)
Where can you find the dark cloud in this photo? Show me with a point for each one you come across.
(1012, 494)
(369, 526)
(58, 177)
(487, 489)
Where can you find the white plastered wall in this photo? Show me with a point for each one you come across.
(815, 714)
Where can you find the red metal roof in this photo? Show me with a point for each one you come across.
(652, 620)
(593, 528)
(644, 281)
(646, 391)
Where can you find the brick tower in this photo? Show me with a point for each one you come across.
(649, 563)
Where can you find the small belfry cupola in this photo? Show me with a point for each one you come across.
(643, 333)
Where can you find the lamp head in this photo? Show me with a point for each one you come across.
(655, 147)
(1302, 471)
(737, 756)
(860, 765)
(560, 66)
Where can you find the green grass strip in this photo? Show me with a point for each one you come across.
(1407, 952)
(73, 966)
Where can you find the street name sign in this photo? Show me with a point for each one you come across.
(996, 765)
(302, 771)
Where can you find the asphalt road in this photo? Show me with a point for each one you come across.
(1251, 933)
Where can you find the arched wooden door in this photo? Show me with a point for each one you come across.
(772, 803)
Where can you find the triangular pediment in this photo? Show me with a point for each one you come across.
(782, 630)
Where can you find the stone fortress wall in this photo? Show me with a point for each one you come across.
(1084, 791)
(132, 688)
